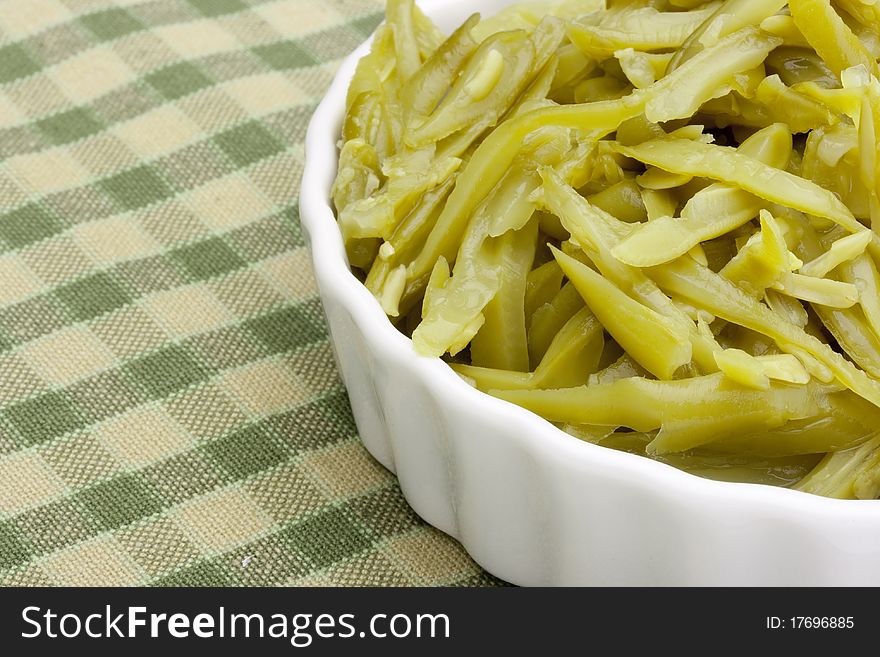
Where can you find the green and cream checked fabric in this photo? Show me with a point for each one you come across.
(169, 409)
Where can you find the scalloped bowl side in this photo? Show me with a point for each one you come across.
(529, 503)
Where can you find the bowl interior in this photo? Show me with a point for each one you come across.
(336, 281)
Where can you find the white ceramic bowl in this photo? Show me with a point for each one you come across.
(531, 504)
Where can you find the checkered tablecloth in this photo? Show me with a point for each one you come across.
(169, 409)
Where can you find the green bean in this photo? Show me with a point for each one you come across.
(549, 319)
(542, 285)
(848, 474)
(709, 404)
(642, 29)
(501, 341)
(832, 40)
(657, 343)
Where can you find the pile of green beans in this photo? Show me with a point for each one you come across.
(655, 223)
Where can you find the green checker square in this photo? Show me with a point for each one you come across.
(15, 63)
(203, 573)
(287, 329)
(28, 320)
(308, 427)
(148, 275)
(285, 55)
(166, 371)
(337, 408)
(26, 225)
(225, 348)
(92, 296)
(178, 80)
(248, 143)
(385, 511)
(366, 25)
(79, 205)
(106, 394)
(136, 187)
(290, 217)
(20, 139)
(45, 417)
(217, 7)
(56, 525)
(247, 452)
(120, 501)
(327, 538)
(263, 239)
(211, 257)
(183, 477)
(69, 126)
(111, 23)
(270, 562)
(291, 124)
(12, 547)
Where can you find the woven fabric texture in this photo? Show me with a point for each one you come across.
(170, 413)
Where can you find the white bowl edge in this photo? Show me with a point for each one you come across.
(531, 504)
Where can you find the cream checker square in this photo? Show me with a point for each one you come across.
(39, 14)
(26, 481)
(68, 356)
(92, 74)
(223, 520)
(113, 239)
(265, 387)
(18, 280)
(158, 132)
(198, 38)
(10, 114)
(227, 203)
(46, 172)
(298, 17)
(142, 436)
(265, 93)
(184, 311)
(101, 562)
